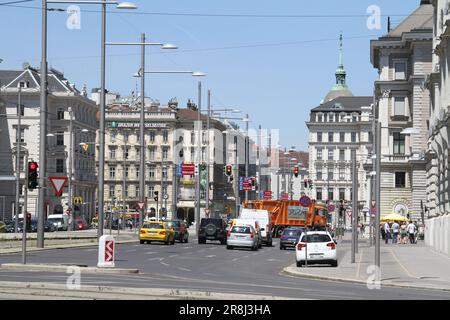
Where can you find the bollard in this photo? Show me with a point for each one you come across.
(106, 252)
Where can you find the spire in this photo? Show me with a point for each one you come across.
(340, 72)
(341, 54)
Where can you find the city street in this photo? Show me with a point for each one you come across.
(206, 268)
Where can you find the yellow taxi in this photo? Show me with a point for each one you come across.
(156, 231)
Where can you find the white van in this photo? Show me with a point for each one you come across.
(264, 219)
(61, 221)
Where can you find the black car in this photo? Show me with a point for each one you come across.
(212, 229)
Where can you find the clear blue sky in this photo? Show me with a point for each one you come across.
(277, 69)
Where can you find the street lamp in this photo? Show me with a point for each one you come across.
(44, 111)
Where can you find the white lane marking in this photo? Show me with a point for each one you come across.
(211, 256)
(153, 259)
(271, 260)
(150, 252)
(132, 250)
(90, 249)
(235, 259)
(187, 247)
(184, 269)
(173, 256)
(165, 264)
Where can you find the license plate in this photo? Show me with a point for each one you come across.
(152, 232)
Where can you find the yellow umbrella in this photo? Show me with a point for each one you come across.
(393, 217)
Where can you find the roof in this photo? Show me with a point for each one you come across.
(344, 104)
(421, 18)
(338, 91)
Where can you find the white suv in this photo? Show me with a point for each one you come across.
(319, 246)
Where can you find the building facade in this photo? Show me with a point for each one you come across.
(403, 60)
(437, 231)
(68, 108)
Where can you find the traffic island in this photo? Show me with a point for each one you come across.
(61, 268)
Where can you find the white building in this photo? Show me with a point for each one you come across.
(403, 60)
(437, 233)
(63, 99)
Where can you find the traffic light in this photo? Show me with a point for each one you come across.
(310, 182)
(155, 193)
(228, 170)
(28, 217)
(296, 171)
(305, 183)
(32, 175)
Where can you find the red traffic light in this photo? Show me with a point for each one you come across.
(33, 166)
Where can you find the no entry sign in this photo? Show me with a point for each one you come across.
(305, 201)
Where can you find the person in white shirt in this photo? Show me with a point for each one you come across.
(387, 231)
(395, 231)
(411, 231)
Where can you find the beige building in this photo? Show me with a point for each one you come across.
(403, 60)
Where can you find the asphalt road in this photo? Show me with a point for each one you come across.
(207, 267)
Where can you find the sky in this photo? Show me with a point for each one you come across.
(272, 59)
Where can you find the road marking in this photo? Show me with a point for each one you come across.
(173, 256)
(165, 264)
(235, 259)
(187, 247)
(184, 269)
(132, 250)
(401, 265)
(153, 259)
(272, 260)
(211, 256)
(150, 252)
(90, 249)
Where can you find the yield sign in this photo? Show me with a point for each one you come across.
(58, 184)
(141, 205)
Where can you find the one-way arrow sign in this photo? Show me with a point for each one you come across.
(58, 184)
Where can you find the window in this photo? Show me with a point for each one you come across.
(400, 70)
(399, 106)
(164, 190)
(399, 143)
(151, 190)
(203, 153)
(353, 136)
(126, 172)
(319, 194)
(126, 192)
(342, 155)
(125, 136)
(341, 136)
(60, 114)
(319, 154)
(354, 117)
(330, 154)
(138, 137)
(330, 194)
(59, 165)
(192, 153)
(341, 194)
(151, 172)
(136, 195)
(152, 152)
(331, 117)
(165, 153)
(22, 134)
(330, 136)
(400, 179)
(341, 173)
(113, 137)
(319, 173)
(138, 153)
(320, 118)
(112, 153)
(127, 152)
(203, 137)
(164, 172)
(192, 137)
(330, 174)
(319, 136)
(151, 136)
(111, 191)
(112, 172)
(137, 172)
(165, 136)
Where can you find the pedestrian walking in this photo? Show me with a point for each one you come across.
(395, 231)
(403, 234)
(130, 224)
(411, 231)
(387, 231)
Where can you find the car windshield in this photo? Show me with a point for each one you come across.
(241, 229)
(292, 233)
(316, 238)
(53, 220)
(153, 226)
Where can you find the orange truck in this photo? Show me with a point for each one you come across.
(286, 213)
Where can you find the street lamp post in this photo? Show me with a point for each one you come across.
(18, 152)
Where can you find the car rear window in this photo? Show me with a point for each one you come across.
(173, 224)
(316, 238)
(292, 232)
(153, 226)
(216, 222)
(241, 229)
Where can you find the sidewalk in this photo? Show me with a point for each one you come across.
(405, 265)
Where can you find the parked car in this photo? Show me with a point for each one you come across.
(181, 230)
(80, 224)
(264, 219)
(212, 229)
(61, 221)
(290, 237)
(242, 236)
(319, 247)
(254, 223)
(156, 231)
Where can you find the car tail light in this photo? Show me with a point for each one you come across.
(229, 233)
(142, 232)
(300, 246)
(252, 235)
(162, 232)
(332, 245)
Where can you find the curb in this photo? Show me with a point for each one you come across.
(62, 246)
(64, 268)
(287, 272)
(96, 292)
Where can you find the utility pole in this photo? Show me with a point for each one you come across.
(246, 154)
(142, 136)
(208, 150)
(71, 154)
(43, 132)
(259, 180)
(124, 181)
(237, 176)
(24, 231)
(354, 205)
(162, 187)
(377, 197)
(18, 151)
(199, 149)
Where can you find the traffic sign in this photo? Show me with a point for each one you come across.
(141, 205)
(58, 184)
(106, 252)
(268, 195)
(305, 201)
(166, 196)
(284, 196)
(331, 208)
(188, 169)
